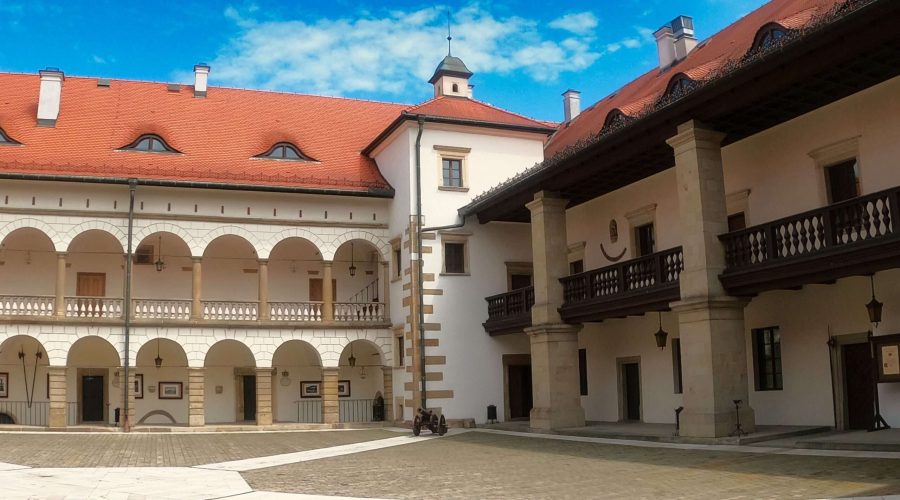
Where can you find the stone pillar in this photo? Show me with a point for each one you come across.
(196, 397)
(128, 417)
(330, 413)
(58, 410)
(554, 345)
(196, 288)
(60, 301)
(263, 294)
(327, 292)
(388, 376)
(263, 396)
(386, 289)
(710, 323)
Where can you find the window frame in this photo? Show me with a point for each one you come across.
(454, 238)
(765, 38)
(639, 218)
(833, 154)
(400, 341)
(396, 259)
(453, 153)
(6, 140)
(827, 171)
(518, 268)
(132, 146)
(267, 155)
(762, 362)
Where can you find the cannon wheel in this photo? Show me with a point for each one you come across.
(417, 425)
(442, 426)
(433, 425)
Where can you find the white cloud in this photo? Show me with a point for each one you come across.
(393, 52)
(582, 23)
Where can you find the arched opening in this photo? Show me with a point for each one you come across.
(359, 282)
(230, 383)
(230, 280)
(27, 273)
(162, 278)
(93, 382)
(295, 281)
(360, 382)
(24, 382)
(769, 36)
(161, 381)
(297, 383)
(95, 276)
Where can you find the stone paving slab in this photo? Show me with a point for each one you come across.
(165, 450)
(492, 465)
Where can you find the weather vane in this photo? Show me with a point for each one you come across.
(449, 38)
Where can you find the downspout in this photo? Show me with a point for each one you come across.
(420, 300)
(132, 185)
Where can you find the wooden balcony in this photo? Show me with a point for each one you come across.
(509, 312)
(631, 287)
(851, 238)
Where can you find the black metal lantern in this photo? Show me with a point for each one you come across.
(160, 264)
(158, 360)
(352, 267)
(661, 335)
(874, 306)
(352, 359)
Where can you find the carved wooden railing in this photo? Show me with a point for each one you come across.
(359, 311)
(220, 310)
(94, 307)
(511, 306)
(295, 311)
(26, 305)
(644, 274)
(161, 309)
(855, 222)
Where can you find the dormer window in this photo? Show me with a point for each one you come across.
(679, 86)
(5, 139)
(284, 151)
(768, 36)
(150, 143)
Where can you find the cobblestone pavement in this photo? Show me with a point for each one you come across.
(165, 450)
(482, 465)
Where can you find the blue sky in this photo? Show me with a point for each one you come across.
(523, 54)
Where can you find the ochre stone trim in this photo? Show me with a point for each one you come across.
(442, 394)
(435, 360)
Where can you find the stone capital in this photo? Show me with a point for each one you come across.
(553, 332)
(694, 132)
(546, 200)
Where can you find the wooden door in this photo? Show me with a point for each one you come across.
(631, 385)
(519, 281)
(92, 398)
(316, 294)
(858, 384)
(249, 397)
(519, 390)
(91, 285)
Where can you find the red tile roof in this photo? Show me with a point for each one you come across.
(463, 108)
(219, 135)
(730, 44)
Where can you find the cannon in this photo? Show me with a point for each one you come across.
(429, 420)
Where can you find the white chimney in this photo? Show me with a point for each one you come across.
(201, 76)
(675, 41)
(50, 96)
(665, 46)
(571, 104)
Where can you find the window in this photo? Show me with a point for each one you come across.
(769, 36)
(401, 350)
(576, 267)
(143, 254)
(736, 222)
(842, 181)
(676, 365)
(454, 258)
(396, 259)
(284, 151)
(643, 238)
(397, 256)
(452, 168)
(150, 143)
(5, 139)
(519, 281)
(767, 358)
(582, 371)
(455, 88)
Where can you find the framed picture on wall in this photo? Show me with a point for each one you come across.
(170, 390)
(139, 386)
(343, 388)
(311, 389)
(4, 385)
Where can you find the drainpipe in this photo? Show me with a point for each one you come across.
(132, 185)
(419, 275)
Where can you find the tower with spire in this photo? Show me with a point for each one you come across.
(451, 77)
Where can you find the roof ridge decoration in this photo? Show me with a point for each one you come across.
(755, 54)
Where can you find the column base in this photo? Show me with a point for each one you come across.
(57, 418)
(716, 425)
(548, 419)
(554, 375)
(196, 420)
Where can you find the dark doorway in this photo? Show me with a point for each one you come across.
(631, 387)
(519, 386)
(859, 387)
(249, 397)
(519, 281)
(92, 398)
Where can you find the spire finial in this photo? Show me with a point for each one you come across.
(449, 38)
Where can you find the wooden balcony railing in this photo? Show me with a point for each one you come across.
(510, 311)
(813, 246)
(94, 307)
(27, 305)
(162, 309)
(635, 286)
